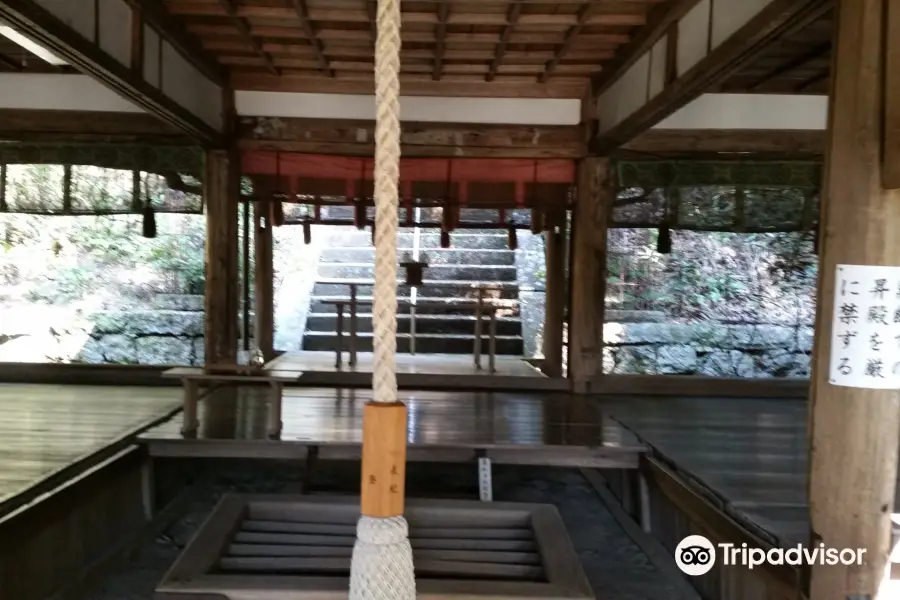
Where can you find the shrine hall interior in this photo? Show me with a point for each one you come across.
(627, 235)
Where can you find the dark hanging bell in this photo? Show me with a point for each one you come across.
(513, 241)
(277, 213)
(445, 238)
(815, 240)
(359, 215)
(664, 240)
(307, 233)
(149, 224)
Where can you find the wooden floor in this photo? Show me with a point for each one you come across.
(49, 433)
(417, 371)
(749, 454)
(515, 428)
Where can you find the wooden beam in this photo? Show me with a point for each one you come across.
(571, 35)
(137, 41)
(661, 19)
(439, 34)
(356, 138)
(778, 19)
(792, 65)
(61, 126)
(9, 63)
(264, 302)
(244, 28)
(854, 430)
(414, 85)
(555, 308)
(221, 186)
(171, 30)
(890, 162)
(719, 143)
(593, 209)
(302, 13)
(47, 30)
(512, 18)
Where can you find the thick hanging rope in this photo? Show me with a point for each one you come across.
(382, 565)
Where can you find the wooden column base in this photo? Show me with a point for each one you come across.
(383, 483)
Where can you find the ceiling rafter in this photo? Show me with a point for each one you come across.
(512, 17)
(816, 79)
(303, 14)
(372, 14)
(792, 65)
(9, 63)
(583, 13)
(244, 27)
(440, 34)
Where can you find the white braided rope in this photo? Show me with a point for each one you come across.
(382, 564)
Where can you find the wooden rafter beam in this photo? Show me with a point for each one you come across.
(809, 83)
(792, 65)
(244, 28)
(512, 18)
(171, 30)
(778, 20)
(660, 19)
(42, 26)
(721, 144)
(68, 126)
(372, 17)
(9, 63)
(583, 13)
(439, 35)
(303, 14)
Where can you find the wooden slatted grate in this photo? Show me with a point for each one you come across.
(300, 547)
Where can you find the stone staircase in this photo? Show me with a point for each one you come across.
(477, 257)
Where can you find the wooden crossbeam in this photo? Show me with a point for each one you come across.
(244, 28)
(10, 63)
(372, 14)
(792, 65)
(302, 13)
(171, 30)
(512, 18)
(440, 33)
(583, 13)
(813, 81)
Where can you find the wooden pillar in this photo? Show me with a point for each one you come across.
(265, 296)
(593, 206)
(555, 299)
(854, 431)
(220, 188)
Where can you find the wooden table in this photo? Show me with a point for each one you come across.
(192, 376)
(481, 307)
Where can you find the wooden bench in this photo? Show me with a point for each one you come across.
(480, 307)
(191, 377)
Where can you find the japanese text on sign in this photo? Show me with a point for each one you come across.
(865, 344)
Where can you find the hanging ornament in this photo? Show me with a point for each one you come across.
(513, 241)
(277, 209)
(149, 224)
(359, 214)
(815, 240)
(445, 238)
(664, 240)
(307, 233)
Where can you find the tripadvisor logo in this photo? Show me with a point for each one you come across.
(695, 555)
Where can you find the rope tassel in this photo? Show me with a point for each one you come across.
(382, 563)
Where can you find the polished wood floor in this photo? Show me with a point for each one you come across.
(45, 429)
(407, 364)
(750, 453)
(325, 417)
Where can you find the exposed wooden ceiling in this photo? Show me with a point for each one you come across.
(796, 64)
(327, 45)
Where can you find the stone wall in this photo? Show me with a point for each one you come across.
(707, 349)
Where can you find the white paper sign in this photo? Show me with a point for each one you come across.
(865, 335)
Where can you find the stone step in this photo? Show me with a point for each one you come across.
(425, 324)
(488, 240)
(436, 256)
(319, 306)
(468, 215)
(435, 272)
(459, 289)
(425, 343)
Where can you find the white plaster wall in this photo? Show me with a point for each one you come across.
(625, 96)
(115, 30)
(693, 36)
(730, 15)
(182, 82)
(658, 67)
(152, 43)
(751, 111)
(39, 91)
(78, 14)
(512, 111)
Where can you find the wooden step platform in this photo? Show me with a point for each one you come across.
(255, 547)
